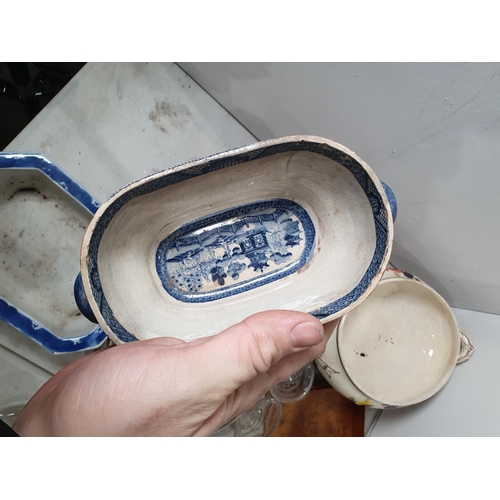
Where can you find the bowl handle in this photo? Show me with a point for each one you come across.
(392, 201)
(81, 299)
(466, 348)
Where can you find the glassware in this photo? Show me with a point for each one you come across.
(260, 421)
(295, 387)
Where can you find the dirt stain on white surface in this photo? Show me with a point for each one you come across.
(46, 144)
(119, 90)
(167, 115)
(40, 237)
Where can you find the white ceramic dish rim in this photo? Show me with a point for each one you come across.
(10, 313)
(362, 172)
(446, 375)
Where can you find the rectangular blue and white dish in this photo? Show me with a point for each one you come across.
(44, 215)
(298, 223)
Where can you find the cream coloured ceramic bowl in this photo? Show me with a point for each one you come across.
(297, 223)
(398, 348)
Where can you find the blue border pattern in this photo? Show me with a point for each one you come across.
(211, 164)
(56, 345)
(9, 313)
(240, 211)
(39, 162)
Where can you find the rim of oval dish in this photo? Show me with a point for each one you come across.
(446, 375)
(12, 314)
(361, 171)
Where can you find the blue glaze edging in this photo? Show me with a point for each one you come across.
(212, 164)
(364, 283)
(81, 299)
(9, 313)
(39, 162)
(391, 197)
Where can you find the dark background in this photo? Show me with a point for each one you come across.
(25, 89)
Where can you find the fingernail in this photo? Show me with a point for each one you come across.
(306, 335)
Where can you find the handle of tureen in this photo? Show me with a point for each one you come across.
(81, 299)
(392, 201)
(466, 348)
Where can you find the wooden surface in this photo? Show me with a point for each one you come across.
(322, 413)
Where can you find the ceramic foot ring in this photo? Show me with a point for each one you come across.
(398, 348)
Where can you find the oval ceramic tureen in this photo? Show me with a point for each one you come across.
(297, 223)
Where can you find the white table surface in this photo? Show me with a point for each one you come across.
(469, 404)
(114, 123)
(20, 379)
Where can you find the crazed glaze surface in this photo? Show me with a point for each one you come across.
(337, 225)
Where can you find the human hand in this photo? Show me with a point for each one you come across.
(167, 387)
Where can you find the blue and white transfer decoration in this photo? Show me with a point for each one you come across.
(17, 318)
(20, 160)
(219, 270)
(235, 250)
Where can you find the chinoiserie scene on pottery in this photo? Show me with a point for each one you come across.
(299, 223)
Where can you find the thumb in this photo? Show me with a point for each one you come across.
(254, 346)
